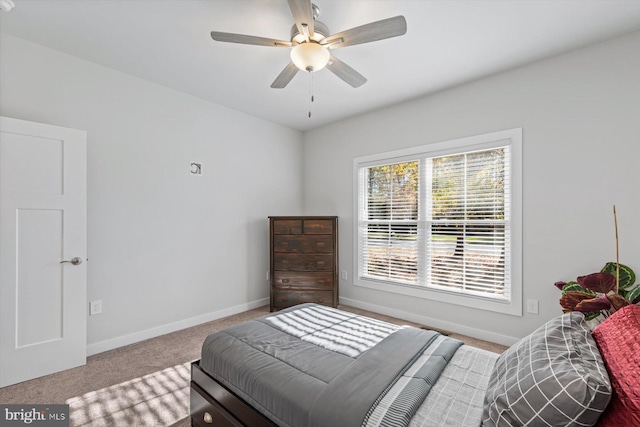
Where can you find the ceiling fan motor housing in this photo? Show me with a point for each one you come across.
(320, 31)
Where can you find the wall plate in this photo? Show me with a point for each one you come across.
(195, 168)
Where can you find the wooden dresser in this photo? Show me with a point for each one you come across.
(304, 260)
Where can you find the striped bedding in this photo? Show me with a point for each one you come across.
(316, 366)
(399, 402)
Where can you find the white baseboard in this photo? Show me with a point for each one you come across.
(433, 322)
(112, 343)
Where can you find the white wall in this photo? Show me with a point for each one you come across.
(580, 114)
(166, 249)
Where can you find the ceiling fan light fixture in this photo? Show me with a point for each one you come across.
(310, 56)
(311, 41)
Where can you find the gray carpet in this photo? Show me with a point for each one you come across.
(158, 399)
(144, 384)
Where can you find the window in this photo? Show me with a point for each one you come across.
(443, 221)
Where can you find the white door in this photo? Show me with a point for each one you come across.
(43, 222)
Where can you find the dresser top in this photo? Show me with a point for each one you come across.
(303, 217)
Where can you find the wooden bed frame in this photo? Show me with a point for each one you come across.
(213, 404)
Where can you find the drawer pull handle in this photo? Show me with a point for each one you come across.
(208, 418)
(285, 280)
(320, 244)
(320, 262)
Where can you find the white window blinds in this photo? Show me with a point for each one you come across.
(389, 230)
(441, 222)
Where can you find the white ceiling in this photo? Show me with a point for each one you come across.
(448, 42)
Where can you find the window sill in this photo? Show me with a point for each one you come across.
(513, 307)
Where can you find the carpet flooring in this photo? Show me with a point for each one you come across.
(146, 383)
(157, 399)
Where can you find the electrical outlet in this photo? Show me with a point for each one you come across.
(95, 307)
(532, 306)
(344, 275)
(268, 277)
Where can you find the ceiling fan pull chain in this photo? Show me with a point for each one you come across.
(310, 91)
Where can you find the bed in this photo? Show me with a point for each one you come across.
(316, 366)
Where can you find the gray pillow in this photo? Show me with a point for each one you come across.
(553, 377)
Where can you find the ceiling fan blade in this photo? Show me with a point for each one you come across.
(303, 15)
(244, 39)
(285, 76)
(345, 72)
(378, 30)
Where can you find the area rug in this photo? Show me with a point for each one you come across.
(157, 399)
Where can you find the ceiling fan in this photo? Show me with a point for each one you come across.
(311, 43)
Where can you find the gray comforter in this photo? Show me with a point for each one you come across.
(312, 365)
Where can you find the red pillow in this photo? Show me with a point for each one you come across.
(618, 339)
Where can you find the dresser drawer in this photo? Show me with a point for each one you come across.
(283, 299)
(303, 244)
(302, 262)
(303, 281)
(287, 226)
(318, 226)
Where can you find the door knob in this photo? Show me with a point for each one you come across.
(75, 261)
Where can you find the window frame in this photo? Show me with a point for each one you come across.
(510, 137)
